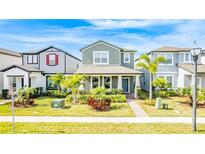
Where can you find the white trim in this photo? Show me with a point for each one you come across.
(101, 43)
(128, 55)
(166, 78)
(189, 58)
(91, 81)
(94, 52)
(110, 81)
(128, 84)
(165, 55)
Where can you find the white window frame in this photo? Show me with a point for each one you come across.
(36, 59)
(54, 55)
(94, 52)
(165, 76)
(128, 84)
(190, 61)
(30, 57)
(165, 55)
(103, 81)
(125, 58)
(91, 81)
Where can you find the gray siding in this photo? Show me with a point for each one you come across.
(25, 61)
(114, 54)
(114, 82)
(60, 68)
(129, 65)
(71, 64)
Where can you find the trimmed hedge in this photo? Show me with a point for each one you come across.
(55, 93)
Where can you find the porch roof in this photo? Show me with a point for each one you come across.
(25, 68)
(190, 68)
(103, 69)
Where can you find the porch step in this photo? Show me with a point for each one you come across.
(130, 96)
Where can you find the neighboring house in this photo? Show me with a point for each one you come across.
(37, 66)
(109, 66)
(178, 70)
(8, 57)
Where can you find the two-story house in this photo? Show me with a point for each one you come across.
(8, 57)
(109, 66)
(178, 70)
(37, 66)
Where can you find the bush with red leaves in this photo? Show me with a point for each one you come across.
(99, 104)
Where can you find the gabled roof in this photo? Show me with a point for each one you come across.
(25, 68)
(42, 50)
(114, 46)
(190, 68)
(105, 69)
(171, 49)
(9, 52)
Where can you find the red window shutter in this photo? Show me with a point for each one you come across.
(56, 59)
(47, 59)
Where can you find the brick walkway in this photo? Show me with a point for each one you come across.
(139, 112)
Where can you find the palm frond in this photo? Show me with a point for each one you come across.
(142, 65)
(145, 58)
(159, 59)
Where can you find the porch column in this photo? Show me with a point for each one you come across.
(26, 80)
(119, 85)
(137, 85)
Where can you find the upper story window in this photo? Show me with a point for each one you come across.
(126, 57)
(32, 59)
(52, 59)
(168, 57)
(100, 57)
(188, 57)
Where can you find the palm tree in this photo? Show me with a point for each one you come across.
(151, 66)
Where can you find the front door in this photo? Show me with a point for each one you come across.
(126, 84)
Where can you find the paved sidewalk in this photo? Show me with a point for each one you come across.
(4, 102)
(139, 112)
(101, 119)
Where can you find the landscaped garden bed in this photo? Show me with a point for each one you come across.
(42, 107)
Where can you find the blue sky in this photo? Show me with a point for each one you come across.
(71, 35)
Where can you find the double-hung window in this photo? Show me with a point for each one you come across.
(169, 79)
(126, 57)
(100, 57)
(52, 59)
(95, 82)
(188, 57)
(168, 57)
(32, 59)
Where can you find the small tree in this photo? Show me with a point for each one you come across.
(160, 83)
(73, 82)
(151, 66)
(57, 79)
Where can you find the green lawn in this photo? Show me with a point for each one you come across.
(43, 108)
(99, 128)
(177, 107)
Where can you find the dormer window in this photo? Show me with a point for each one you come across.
(126, 57)
(100, 57)
(32, 59)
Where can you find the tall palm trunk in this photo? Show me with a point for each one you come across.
(150, 87)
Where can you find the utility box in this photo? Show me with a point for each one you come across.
(58, 103)
(158, 103)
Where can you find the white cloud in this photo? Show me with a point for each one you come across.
(118, 24)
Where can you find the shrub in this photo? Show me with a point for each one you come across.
(149, 102)
(82, 99)
(24, 97)
(142, 94)
(98, 91)
(99, 104)
(56, 93)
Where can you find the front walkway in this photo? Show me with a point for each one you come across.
(4, 102)
(138, 111)
(101, 119)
